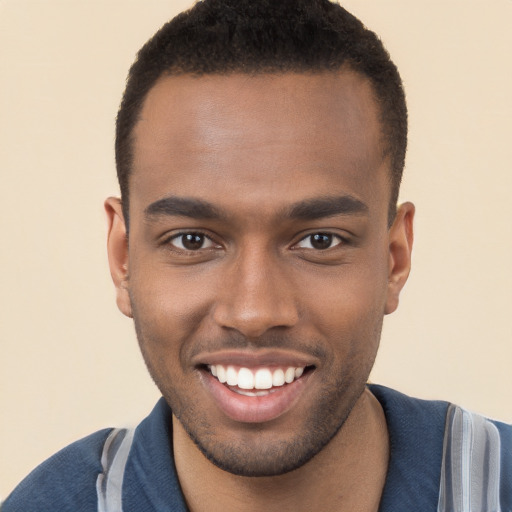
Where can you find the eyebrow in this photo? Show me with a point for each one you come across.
(183, 207)
(328, 206)
(309, 209)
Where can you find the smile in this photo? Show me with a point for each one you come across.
(244, 380)
(255, 393)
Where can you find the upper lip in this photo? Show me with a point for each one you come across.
(250, 359)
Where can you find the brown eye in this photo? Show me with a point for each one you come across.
(319, 241)
(191, 241)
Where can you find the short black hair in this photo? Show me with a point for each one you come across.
(265, 36)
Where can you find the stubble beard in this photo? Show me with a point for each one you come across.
(258, 455)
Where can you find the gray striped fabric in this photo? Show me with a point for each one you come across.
(109, 484)
(470, 473)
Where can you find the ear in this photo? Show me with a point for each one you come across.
(117, 247)
(400, 248)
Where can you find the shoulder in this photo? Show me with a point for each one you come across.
(65, 481)
(444, 456)
(477, 462)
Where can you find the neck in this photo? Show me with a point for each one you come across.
(347, 475)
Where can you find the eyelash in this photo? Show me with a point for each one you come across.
(177, 236)
(332, 236)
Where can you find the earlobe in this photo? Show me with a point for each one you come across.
(400, 249)
(117, 247)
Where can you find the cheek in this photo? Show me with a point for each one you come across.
(169, 307)
(350, 304)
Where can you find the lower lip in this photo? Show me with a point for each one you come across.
(255, 409)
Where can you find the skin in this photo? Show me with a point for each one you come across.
(253, 149)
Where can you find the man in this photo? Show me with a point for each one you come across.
(257, 246)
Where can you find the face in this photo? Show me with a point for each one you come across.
(259, 264)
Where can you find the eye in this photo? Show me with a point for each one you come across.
(191, 241)
(320, 241)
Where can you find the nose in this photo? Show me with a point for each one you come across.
(257, 295)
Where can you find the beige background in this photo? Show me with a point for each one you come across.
(69, 361)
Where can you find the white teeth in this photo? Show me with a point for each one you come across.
(245, 379)
(231, 376)
(289, 375)
(278, 378)
(221, 373)
(261, 379)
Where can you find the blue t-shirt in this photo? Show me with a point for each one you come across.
(67, 481)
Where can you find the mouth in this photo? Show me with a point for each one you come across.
(255, 394)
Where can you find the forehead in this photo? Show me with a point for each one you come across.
(246, 131)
